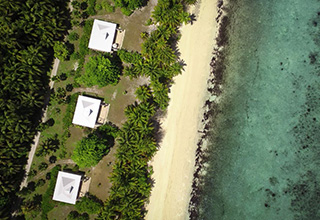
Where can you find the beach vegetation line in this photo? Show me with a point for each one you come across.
(131, 175)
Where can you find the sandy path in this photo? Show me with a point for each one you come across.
(174, 163)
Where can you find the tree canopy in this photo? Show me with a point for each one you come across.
(100, 70)
(89, 151)
(89, 204)
(28, 30)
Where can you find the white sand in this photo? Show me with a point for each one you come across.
(174, 163)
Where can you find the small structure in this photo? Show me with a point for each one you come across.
(85, 186)
(103, 114)
(119, 39)
(102, 35)
(86, 112)
(67, 187)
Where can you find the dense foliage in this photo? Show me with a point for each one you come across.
(128, 6)
(100, 70)
(89, 204)
(131, 175)
(61, 51)
(90, 150)
(28, 30)
(74, 215)
(47, 203)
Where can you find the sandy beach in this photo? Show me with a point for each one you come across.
(174, 163)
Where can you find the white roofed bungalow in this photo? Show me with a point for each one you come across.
(102, 35)
(67, 187)
(87, 110)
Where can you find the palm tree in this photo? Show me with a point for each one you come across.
(143, 93)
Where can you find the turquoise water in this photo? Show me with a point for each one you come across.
(265, 153)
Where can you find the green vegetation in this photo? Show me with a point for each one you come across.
(61, 51)
(47, 203)
(26, 53)
(73, 36)
(74, 215)
(100, 70)
(131, 175)
(90, 150)
(89, 204)
(128, 6)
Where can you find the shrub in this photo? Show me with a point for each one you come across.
(126, 11)
(89, 204)
(100, 70)
(98, 7)
(47, 203)
(52, 159)
(48, 176)
(48, 146)
(67, 119)
(32, 173)
(73, 36)
(74, 215)
(129, 57)
(61, 50)
(69, 87)
(62, 76)
(89, 151)
(40, 182)
(43, 166)
(75, 56)
(107, 6)
(74, 22)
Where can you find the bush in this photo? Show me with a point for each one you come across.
(107, 6)
(32, 173)
(100, 70)
(61, 50)
(89, 204)
(74, 215)
(59, 95)
(73, 36)
(67, 119)
(74, 22)
(75, 56)
(47, 203)
(98, 7)
(48, 176)
(43, 166)
(49, 123)
(89, 151)
(40, 182)
(52, 159)
(48, 146)
(129, 57)
(69, 87)
(126, 11)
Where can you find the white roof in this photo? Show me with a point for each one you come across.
(86, 112)
(102, 35)
(67, 187)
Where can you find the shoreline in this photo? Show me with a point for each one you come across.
(214, 89)
(175, 162)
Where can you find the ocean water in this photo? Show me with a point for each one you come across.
(264, 154)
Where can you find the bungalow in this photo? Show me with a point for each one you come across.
(88, 110)
(67, 187)
(70, 186)
(105, 36)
